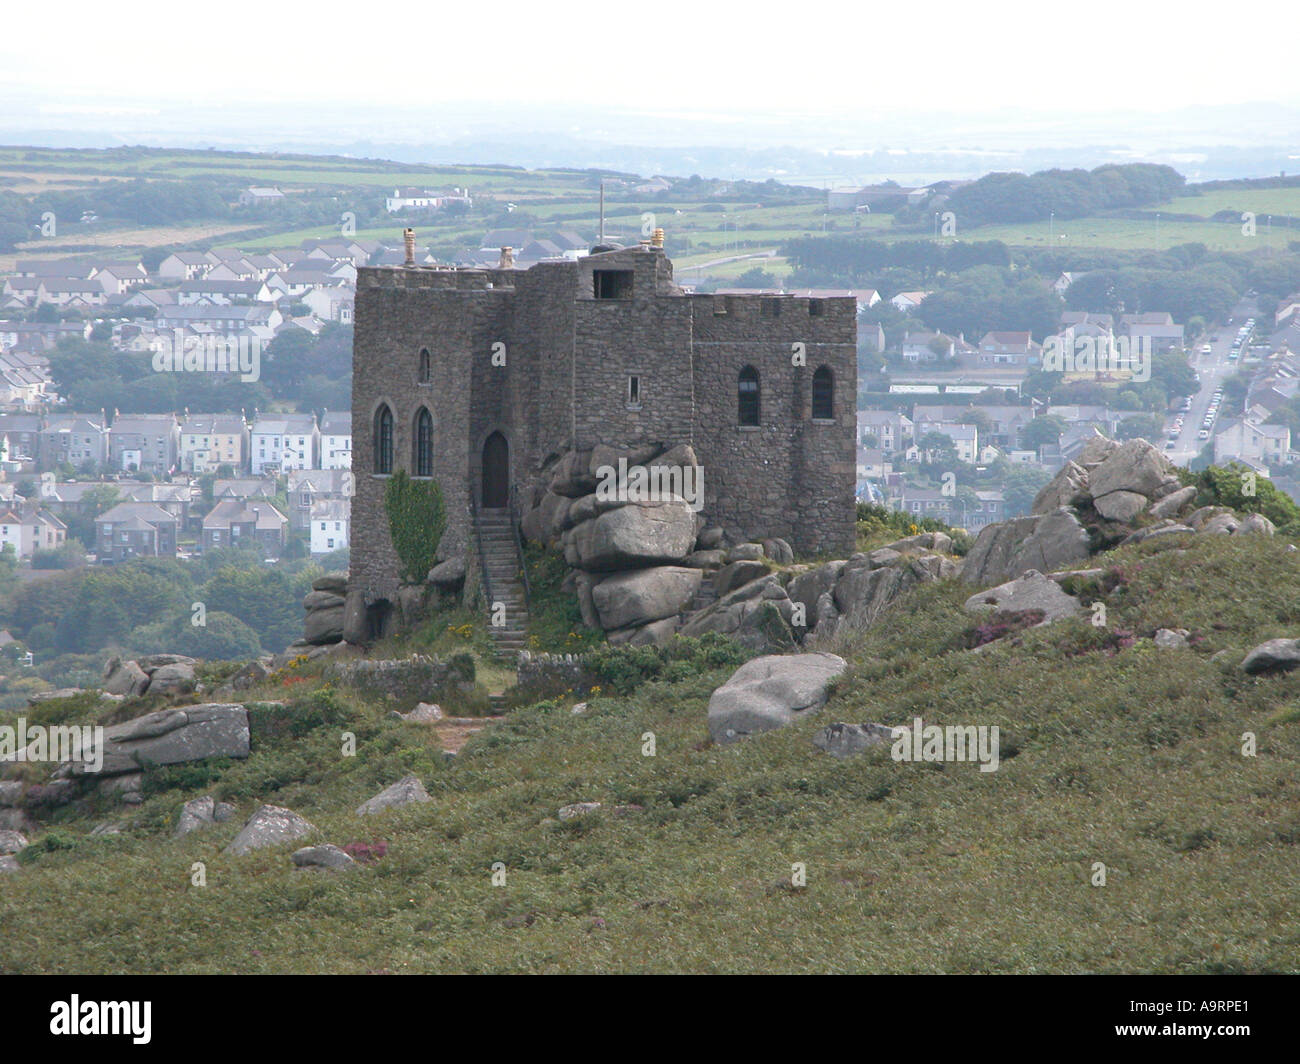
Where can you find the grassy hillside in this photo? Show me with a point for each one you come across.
(1115, 752)
(706, 222)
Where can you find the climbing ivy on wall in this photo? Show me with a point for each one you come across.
(416, 520)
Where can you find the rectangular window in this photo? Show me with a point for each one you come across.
(612, 284)
(634, 391)
(816, 308)
(770, 308)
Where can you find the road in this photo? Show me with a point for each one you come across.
(1214, 368)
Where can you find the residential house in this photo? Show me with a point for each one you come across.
(149, 443)
(1287, 309)
(336, 439)
(119, 278)
(22, 433)
(889, 427)
(871, 463)
(921, 347)
(1247, 440)
(209, 441)
(332, 303)
(330, 520)
(927, 502)
(262, 319)
(74, 440)
(965, 440)
(280, 442)
(991, 509)
(52, 268)
(260, 196)
(71, 292)
(1013, 348)
(152, 298)
(135, 530)
(233, 522)
(908, 301)
(183, 266)
(307, 487)
(1155, 327)
(244, 488)
(24, 380)
(223, 292)
(303, 276)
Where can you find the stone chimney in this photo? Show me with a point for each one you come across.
(507, 260)
(657, 240)
(408, 235)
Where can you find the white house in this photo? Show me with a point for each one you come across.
(280, 442)
(336, 439)
(183, 266)
(330, 522)
(1249, 441)
(332, 304)
(908, 301)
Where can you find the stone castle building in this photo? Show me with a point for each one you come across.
(481, 378)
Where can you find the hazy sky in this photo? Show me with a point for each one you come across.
(671, 56)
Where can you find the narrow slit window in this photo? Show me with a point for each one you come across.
(423, 444)
(748, 397)
(823, 394)
(383, 440)
(634, 391)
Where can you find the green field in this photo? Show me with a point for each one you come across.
(701, 230)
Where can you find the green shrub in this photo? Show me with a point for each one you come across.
(416, 520)
(1225, 485)
(625, 668)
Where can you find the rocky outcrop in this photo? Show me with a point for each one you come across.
(12, 842)
(326, 606)
(271, 825)
(636, 598)
(844, 740)
(771, 692)
(1042, 541)
(125, 678)
(1032, 591)
(632, 536)
(1174, 503)
(405, 791)
(170, 737)
(177, 679)
(201, 813)
(448, 575)
(1276, 655)
(779, 610)
(612, 539)
(758, 615)
(166, 674)
(326, 855)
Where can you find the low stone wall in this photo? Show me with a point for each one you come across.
(408, 680)
(536, 669)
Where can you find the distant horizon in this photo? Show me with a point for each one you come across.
(1203, 144)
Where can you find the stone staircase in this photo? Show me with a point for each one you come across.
(497, 548)
(705, 596)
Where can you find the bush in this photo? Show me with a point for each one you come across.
(416, 520)
(1224, 486)
(624, 668)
